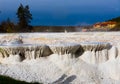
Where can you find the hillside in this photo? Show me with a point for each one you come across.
(117, 28)
(117, 19)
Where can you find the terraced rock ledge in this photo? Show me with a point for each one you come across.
(76, 58)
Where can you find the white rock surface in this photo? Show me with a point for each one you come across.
(99, 66)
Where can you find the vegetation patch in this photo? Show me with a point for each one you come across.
(8, 80)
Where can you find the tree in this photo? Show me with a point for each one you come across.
(24, 16)
(7, 26)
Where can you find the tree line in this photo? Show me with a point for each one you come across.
(23, 25)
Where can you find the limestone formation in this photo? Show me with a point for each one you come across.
(95, 52)
(25, 51)
(64, 58)
(95, 46)
(62, 48)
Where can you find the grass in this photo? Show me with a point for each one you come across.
(8, 80)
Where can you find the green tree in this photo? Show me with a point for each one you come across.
(24, 16)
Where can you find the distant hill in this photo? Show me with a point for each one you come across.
(117, 19)
(117, 28)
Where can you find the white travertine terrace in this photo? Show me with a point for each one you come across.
(25, 51)
(62, 58)
(96, 52)
(95, 46)
(62, 48)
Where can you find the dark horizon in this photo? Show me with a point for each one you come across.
(62, 13)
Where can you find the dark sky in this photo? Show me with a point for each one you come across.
(63, 12)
